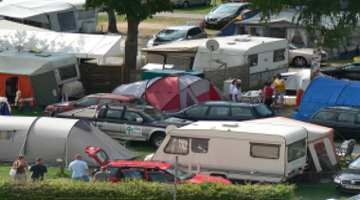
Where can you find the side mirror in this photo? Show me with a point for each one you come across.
(139, 120)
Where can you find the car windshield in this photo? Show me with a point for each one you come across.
(226, 9)
(154, 114)
(355, 164)
(171, 34)
(292, 46)
(180, 174)
(263, 110)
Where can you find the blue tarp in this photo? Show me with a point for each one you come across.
(324, 92)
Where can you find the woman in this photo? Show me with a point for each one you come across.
(268, 93)
(20, 166)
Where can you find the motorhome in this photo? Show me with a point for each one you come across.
(237, 150)
(254, 60)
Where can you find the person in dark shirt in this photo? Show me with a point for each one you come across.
(38, 170)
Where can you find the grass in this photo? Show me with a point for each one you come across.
(320, 191)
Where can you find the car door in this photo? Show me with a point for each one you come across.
(110, 121)
(133, 126)
(345, 123)
(241, 113)
(219, 113)
(196, 113)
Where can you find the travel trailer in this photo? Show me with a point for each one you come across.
(56, 15)
(265, 150)
(40, 77)
(237, 150)
(254, 60)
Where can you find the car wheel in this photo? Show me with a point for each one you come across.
(156, 139)
(186, 4)
(299, 62)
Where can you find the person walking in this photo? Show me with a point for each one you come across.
(280, 89)
(268, 93)
(79, 169)
(20, 166)
(38, 170)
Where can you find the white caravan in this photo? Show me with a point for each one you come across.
(237, 150)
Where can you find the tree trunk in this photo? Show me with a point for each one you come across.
(131, 47)
(112, 26)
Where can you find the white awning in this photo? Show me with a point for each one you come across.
(22, 9)
(84, 46)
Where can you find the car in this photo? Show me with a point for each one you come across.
(90, 100)
(344, 120)
(177, 33)
(302, 57)
(128, 122)
(350, 71)
(162, 172)
(224, 111)
(349, 178)
(189, 3)
(223, 14)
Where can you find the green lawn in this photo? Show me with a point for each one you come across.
(321, 191)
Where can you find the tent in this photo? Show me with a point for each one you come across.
(171, 93)
(52, 139)
(320, 142)
(324, 92)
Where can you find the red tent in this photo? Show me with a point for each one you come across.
(172, 93)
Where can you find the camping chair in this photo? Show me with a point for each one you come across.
(346, 149)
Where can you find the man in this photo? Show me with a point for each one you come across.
(38, 170)
(20, 165)
(79, 169)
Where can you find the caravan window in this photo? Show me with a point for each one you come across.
(296, 150)
(267, 151)
(177, 145)
(199, 145)
(66, 21)
(68, 72)
(253, 60)
(279, 55)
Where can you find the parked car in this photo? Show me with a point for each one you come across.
(177, 33)
(224, 111)
(302, 57)
(90, 100)
(223, 14)
(350, 71)
(128, 122)
(120, 170)
(189, 3)
(349, 178)
(344, 120)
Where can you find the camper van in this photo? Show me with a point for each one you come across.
(254, 60)
(237, 150)
(40, 77)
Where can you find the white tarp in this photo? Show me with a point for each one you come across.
(82, 46)
(22, 9)
(6, 24)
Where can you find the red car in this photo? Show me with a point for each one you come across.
(90, 100)
(162, 172)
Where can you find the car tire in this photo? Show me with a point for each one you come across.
(186, 4)
(156, 139)
(299, 62)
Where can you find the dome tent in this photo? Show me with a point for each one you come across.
(53, 138)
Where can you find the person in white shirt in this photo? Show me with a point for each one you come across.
(236, 91)
(79, 169)
(231, 88)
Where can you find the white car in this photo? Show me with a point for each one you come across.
(302, 57)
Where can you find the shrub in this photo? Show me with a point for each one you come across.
(67, 189)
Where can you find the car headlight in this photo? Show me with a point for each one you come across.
(337, 180)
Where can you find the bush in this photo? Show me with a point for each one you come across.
(66, 189)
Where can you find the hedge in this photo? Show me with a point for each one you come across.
(67, 189)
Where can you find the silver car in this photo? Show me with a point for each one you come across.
(302, 57)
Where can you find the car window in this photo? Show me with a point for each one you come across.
(105, 101)
(194, 32)
(226, 9)
(132, 174)
(171, 34)
(199, 145)
(325, 116)
(219, 111)
(238, 111)
(197, 111)
(353, 67)
(87, 101)
(159, 176)
(263, 110)
(132, 116)
(113, 114)
(347, 117)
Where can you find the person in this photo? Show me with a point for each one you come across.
(268, 93)
(238, 86)
(231, 88)
(79, 169)
(280, 89)
(38, 170)
(20, 166)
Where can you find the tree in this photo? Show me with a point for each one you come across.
(331, 22)
(112, 22)
(135, 12)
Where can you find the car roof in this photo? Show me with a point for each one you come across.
(142, 164)
(182, 27)
(228, 103)
(112, 96)
(341, 108)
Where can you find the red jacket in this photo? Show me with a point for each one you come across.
(268, 92)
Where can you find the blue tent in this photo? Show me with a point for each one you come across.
(324, 92)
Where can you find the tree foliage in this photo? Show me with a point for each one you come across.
(331, 21)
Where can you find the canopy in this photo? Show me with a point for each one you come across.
(53, 138)
(22, 9)
(324, 92)
(83, 46)
(171, 93)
